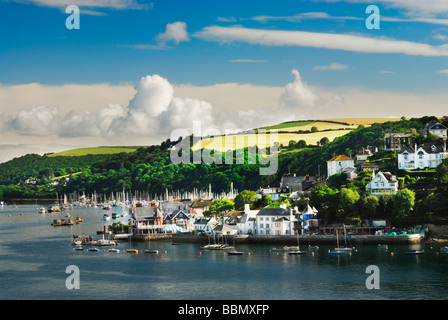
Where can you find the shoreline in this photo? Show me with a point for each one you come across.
(306, 239)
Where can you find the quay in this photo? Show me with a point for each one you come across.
(304, 239)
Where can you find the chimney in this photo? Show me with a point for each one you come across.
(246, 208)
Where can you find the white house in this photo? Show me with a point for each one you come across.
(428, 155)
(437, 129)
(275, 221)
(382, 183)
(246, 224)
(339, 164)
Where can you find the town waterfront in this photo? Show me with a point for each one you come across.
(34, 257)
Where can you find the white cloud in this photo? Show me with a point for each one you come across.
(39, 121)
(445, 71)
(114, 4)
(176, 32)
(298, 96)
(318, 40)
(333, 66)
(247, 61)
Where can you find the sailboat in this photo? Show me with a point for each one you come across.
(234, 252)
(337, 250)
(346, 247)
(151, 250)
(298, 251)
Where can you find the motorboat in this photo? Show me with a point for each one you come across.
(131, 250)
(415, 251)
(106, 217)
(152, 251)
(296, 252)
(62, 222)
(114, 250)
(235, 253)
(94, 249)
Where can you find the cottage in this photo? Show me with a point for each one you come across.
(205, 225)
(339, 164)
(382, 183)
(201, 205)
(437, 129)
(364, 153)
(428, 155)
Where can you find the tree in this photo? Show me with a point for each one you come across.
(369, 205)
(301, 144)
(324, 141)
(403, 202)
(245, 197)
(314, 129)
(263, 202)
(325, 199)
(348, 200)
(221, 206)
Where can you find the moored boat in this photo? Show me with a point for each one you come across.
(235, 253)
(415, 251)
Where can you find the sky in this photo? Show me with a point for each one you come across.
(135, 71)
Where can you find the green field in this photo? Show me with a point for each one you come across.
(93, 150)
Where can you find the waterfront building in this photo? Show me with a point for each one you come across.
(148, 220)
(246, 224)
(179, 218)
(382, 183)
(340, 164)
(275, 221)
(205, 225)
(309, 218)
(427, 155)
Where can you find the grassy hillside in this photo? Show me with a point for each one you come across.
(93, 150)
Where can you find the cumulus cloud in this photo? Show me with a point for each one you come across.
(176, 32)
(40, 121)
(298, 95)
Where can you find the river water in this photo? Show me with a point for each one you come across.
(34, 256)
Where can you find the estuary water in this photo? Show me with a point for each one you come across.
(34, 256)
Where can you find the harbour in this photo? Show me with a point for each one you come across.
(35, 256)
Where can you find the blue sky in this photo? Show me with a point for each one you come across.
(237, 60)
(36, 46)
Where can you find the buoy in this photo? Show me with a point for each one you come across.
(200, 253)
(391, 254)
